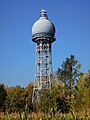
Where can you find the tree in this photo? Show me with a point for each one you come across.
(54, 99)
(87, 79)
(79, 93)
(68, 75)
(86, 92)
(3, 95)
(82, 93)
(28, 96)
(69, 72)
(15, 100)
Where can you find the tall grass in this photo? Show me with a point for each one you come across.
(44, 116)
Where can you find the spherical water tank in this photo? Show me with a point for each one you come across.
(43, 27)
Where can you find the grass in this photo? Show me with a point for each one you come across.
(44, 116)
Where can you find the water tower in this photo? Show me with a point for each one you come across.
(43, 32)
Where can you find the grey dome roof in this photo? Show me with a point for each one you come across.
(43, 26)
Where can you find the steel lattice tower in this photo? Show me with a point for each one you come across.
(43, 32)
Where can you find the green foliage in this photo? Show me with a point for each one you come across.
(54, 99)
(28, 96)
(19, 99)
(87, 79)
(69, 72)
(48, 101)
(62, 104)
(82, 93)
(3, 95)
(68, 99)
(15, 99)
(68, 75)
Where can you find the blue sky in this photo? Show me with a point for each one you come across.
(17, 51)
